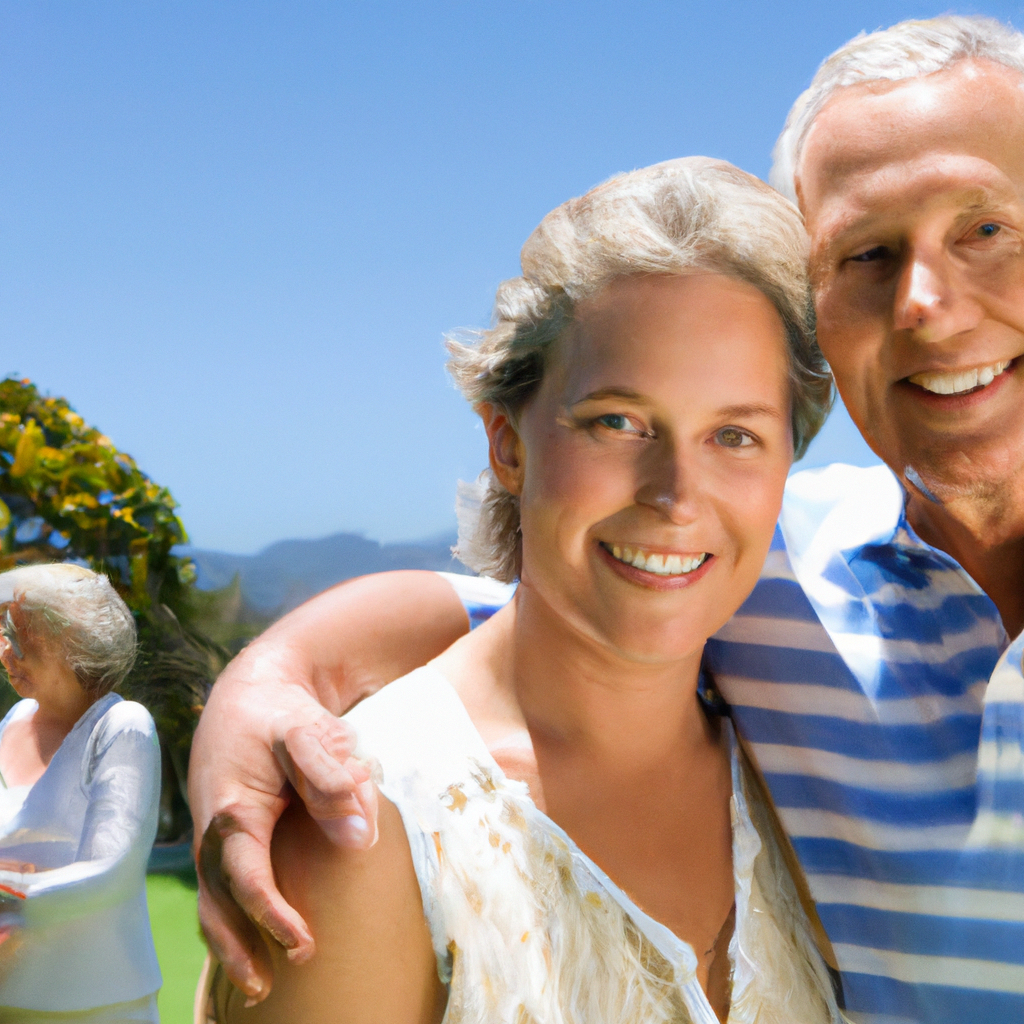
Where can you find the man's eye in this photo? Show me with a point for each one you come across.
(879, 252)
(733, 437)
(987, 230)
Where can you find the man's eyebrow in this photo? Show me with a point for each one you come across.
(975, 199)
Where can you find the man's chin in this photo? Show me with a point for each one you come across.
(947, 469)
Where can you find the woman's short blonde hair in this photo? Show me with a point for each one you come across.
(677, 217)
(79, 612)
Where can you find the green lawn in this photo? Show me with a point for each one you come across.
(172, 912)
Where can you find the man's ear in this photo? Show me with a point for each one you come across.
(506, 448)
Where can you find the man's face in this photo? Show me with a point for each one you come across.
(914, 199)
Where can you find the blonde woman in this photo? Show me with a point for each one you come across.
(81, 775)
(568, 829)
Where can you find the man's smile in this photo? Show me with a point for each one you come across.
(960, 382)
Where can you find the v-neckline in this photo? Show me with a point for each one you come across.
(106, 701)
(670, 945)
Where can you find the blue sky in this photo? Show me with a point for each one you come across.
(232, 234)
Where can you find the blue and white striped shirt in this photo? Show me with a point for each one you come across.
(874, 684)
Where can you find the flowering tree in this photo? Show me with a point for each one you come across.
(66, 493)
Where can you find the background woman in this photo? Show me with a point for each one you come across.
(81, 771)
(569, 831)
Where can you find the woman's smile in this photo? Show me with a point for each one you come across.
(671, 567)
(653, 570)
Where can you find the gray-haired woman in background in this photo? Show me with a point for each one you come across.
(80, 791)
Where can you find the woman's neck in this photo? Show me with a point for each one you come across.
(58, 717)
(28, 745)
(531, 668)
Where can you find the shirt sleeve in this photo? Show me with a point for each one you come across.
(122, 780)
(480, 596)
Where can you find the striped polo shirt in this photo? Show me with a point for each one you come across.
(874, 684)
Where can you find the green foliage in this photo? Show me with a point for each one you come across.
(66, 493)
(179, 947)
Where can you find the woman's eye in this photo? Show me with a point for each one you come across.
(733, 437)
(987, 230)
(617, 422)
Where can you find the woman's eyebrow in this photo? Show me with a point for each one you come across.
(626, 393)
(738, 411)
(751, 409)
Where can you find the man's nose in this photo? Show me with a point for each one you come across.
(931, 301)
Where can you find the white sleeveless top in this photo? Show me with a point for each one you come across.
(529, 930)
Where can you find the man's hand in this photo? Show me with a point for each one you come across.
(247, 749)
(270, 731)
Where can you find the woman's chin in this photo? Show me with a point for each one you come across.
(640, 635)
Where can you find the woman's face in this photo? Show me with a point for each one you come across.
(651, 462)
(41, 672)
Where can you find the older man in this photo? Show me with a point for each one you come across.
(890, 734)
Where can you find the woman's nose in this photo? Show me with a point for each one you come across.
(668, 488)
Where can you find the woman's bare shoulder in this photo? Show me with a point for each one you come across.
(374, 961)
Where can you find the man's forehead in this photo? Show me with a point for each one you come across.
(965, 123)
(960, 184)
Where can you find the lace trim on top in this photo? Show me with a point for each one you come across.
(529, 930)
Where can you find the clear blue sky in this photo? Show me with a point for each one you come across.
(233, 233)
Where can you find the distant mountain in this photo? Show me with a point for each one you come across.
(285, 574)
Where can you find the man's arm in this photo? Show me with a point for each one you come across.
(272, 718)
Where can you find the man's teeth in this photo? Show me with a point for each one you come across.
(663, 565)
(961, 380)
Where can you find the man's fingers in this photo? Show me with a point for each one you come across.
(236, 944)
(237, 886)
(334, 786)
(252, 884)
(355, 831)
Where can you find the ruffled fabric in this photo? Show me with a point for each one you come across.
(529, 930)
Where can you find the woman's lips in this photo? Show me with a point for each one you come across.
(654, 561)
(655, 569)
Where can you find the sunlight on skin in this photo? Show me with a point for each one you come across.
(914, 198)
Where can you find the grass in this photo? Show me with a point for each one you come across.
(172, 913)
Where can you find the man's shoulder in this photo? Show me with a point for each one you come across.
(480, 596)
(839, 507)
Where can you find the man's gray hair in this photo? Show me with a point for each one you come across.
(79, 612)
(910, 49)
(676, 217)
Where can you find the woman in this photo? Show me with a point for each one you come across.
(81, 772)
(568, 830)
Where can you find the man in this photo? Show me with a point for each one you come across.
(890, 734)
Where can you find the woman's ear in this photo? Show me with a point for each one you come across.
(506, 448)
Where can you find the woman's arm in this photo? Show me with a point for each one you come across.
(272, 717)
(120, 824)
(374, 961)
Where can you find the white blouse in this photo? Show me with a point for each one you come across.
(526, 927)
(87, 825)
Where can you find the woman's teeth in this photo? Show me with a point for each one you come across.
(960, 381)
(663, 565)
